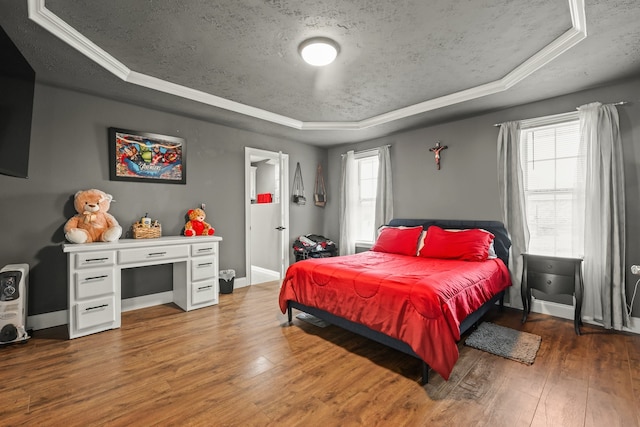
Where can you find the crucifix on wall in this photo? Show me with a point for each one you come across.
(436, 152)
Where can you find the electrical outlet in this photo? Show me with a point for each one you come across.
(635, 269)
(203, 206)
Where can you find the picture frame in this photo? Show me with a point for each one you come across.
(146, 157)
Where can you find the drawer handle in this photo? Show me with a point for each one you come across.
(96, 259)
(96, 307)
(96, 278)
(157, 253)
(206, 264)
(205, 250)
(204, 287)
(549, 266)
(548, 282)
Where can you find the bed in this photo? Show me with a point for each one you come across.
(416, 296)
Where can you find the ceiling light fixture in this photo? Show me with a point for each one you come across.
(318, 51)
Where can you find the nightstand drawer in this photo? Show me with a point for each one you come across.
(551, 283)
(551, 266)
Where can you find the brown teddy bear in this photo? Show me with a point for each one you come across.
(92, 223)
(196, 225)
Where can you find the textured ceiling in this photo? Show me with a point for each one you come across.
(393, 56)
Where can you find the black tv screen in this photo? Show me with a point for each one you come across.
(17, 80)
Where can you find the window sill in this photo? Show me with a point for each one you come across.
(363, 247)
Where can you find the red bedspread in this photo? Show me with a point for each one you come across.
(420, 301)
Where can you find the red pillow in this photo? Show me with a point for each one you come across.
(468, 245)
(398, 240)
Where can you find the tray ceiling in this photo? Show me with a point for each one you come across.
(401, 64)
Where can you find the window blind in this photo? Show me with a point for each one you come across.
(551, 163)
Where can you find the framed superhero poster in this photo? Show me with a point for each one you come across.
(146, 157)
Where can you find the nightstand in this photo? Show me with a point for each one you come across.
(552, 275)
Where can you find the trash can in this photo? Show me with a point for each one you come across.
(226, 278)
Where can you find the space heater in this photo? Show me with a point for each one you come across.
(14, 280)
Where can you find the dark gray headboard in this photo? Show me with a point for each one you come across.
(502, 242)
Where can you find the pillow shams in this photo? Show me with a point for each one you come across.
(492, 249)
(398, 240)
(468, 245)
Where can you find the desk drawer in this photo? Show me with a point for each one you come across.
(202, 292)
(94, 259)
(130, 256)
(551, 266)
(208, 248)
(551, 283)
(96, 312)
(203, 268)
(94, 283)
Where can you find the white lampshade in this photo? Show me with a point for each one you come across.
(319, 51)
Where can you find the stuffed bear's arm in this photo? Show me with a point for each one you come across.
(71, 223)
(111, 220)
(188, 229)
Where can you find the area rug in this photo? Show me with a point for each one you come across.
(312, 319)
(506, 342)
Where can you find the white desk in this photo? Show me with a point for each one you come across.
(93, 276)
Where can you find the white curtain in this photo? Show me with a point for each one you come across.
(604, 221)
(384, 192)
(512, 202)
(348, 199)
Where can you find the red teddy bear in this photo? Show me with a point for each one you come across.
(196, 226)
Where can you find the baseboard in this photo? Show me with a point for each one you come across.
(260, 275)
(634, 325)
(240, 282)
(47, 320)
(555, 309)
(145, 301)
(565, 311)
(57, 318)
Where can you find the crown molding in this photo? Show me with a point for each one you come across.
(42, 16)
(206, 98)
(39, 14)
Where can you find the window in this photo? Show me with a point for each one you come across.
(550, 155)
(365, 206)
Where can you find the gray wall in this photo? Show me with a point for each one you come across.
(69, 149)
(466, 187)
(69, 152)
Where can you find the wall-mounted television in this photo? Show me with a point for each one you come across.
(17, 81)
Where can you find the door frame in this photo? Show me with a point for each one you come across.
(284, 205)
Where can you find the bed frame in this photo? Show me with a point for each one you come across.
(502, 243)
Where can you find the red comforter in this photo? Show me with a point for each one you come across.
(420, 301)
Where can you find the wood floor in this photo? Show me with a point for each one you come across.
(242, 364)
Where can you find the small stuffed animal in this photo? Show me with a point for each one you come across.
(196, 225)
(92, 223)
